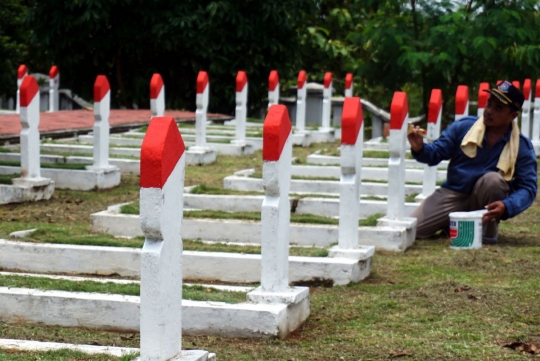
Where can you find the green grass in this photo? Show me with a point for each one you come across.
(195, 292)
(48, 165)
(60, 355)
(80, 236)
(134, 208)
(7, 178)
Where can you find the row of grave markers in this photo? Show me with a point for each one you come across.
(29, 137)
(529, 129)
(54, 84)
(161, 197)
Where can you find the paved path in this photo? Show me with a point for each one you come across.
(65, 123)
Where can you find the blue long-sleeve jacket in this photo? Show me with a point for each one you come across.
(463, 172)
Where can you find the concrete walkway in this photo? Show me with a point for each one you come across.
(65, 123)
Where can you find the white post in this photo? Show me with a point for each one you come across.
(161, 199)
(203, 90)
(241, 106)
(21, 73)
(29, 138)
(483, 97)
(102, 106)
(517, 85)
(462, 102)
(54, 83)
(535, 137)
(352, 139)
(526, 109)
(327, 101)
(276, 211)
(433, 132)
(157, 96)
(273, 88)
(399, 115)
(348, 85)
(301, 102)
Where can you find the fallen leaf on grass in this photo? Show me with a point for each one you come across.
(400, 354)
(472, 297)
(520, 346)
(462, 288)
(130, 337)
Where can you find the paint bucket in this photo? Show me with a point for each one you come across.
(466, 229)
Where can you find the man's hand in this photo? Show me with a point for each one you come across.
(416, 140)
(495, 211)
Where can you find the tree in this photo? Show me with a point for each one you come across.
(128, 40)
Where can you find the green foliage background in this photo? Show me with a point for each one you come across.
(389, 45)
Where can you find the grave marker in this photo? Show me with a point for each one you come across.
(30, 155)
(54, 83)
(161, 213)
(21, 73)
(433, 132)
(102, 106)
(273, 88)
(203, 91)
(535, 136)
(327, 101)
(157, 96)
(348, 85)
(241, 107)
(395, 215)
(301, 102)
(352, 139)
(276, 212)
(526, 109)
(483, 97)
(399, 116)
(462, 102)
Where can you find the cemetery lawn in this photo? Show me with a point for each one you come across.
(60, 355)
(192, 292)
(428, 303)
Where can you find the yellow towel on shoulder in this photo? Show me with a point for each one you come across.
(507, 160)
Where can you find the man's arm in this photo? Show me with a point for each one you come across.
(433, 153)
(525, 182)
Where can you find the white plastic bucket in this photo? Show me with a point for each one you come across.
(466, 229)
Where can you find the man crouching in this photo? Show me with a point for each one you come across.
(492, 166)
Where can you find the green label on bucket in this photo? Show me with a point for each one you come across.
(465, 234)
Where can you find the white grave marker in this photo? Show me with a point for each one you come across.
(327, 101)
(399, 116)
(203, 91)
(535, 136)
(301, 102)
(348, 85)
(526, 109)
(483, 97)
(273, 88)
(241, 107)
(21, 73)
(157, 96)
(30, 156)
(54, 83)
(102, 107)
(276, 212)
(433, 132)
(161, 199)
(399, 123)
(462, 102)
(352, 139)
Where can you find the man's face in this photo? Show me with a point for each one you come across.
(497, 114)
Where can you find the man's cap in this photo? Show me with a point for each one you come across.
(508, 94)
